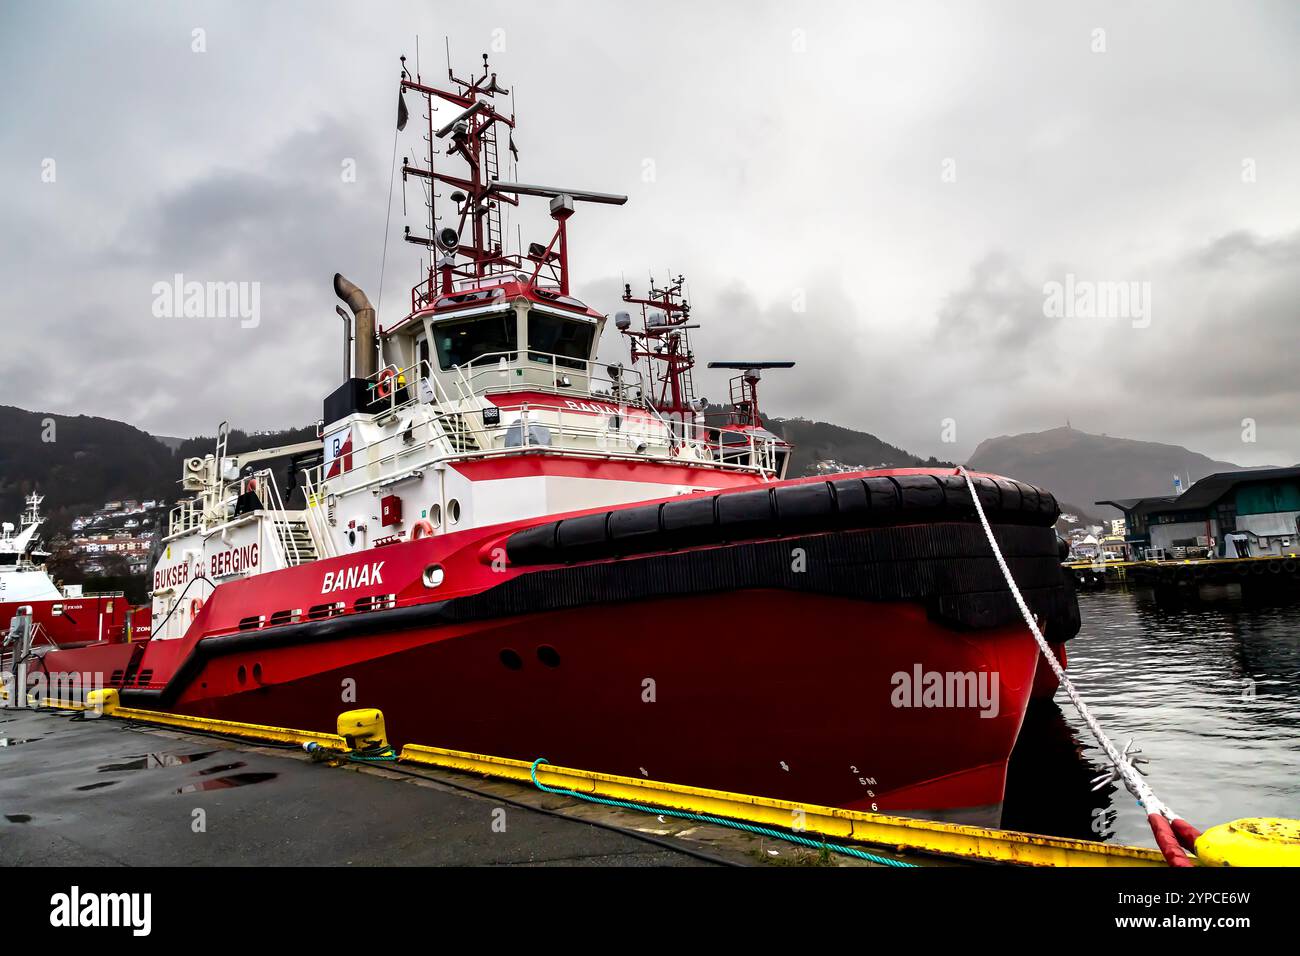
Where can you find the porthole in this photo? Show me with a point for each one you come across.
(257, 672)
(453, 511)
(434, 575)
(548, 655)
(511, 659)
(241, 675)
(435, 515)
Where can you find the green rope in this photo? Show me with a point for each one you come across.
(720, 821)
(380, 755)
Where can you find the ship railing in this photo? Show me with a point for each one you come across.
(417, 385)
(317, 514)
(413, 385)
(428, 291)
(625, 388)
(40, 634)
(553, 428)
(281, 529)
(186, 516)
(394, 388)
(492, 373)
(502, 372)
(381, 462)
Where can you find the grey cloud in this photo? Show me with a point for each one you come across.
(777, 170)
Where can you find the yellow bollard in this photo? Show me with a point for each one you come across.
(104, 701)
(1253, 841)
(363, 729)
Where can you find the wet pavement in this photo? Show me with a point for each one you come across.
(116, 793)
(105, 793)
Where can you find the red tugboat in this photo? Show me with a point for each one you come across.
(513, 549)
(61, 616)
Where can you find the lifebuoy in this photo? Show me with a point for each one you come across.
(196, 605)
(384, 387)
(421, 529)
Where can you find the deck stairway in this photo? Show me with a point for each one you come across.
(295, 541)
(458, 433)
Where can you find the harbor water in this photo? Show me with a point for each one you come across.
(1209, 692)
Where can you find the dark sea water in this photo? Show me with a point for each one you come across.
(1211, 693)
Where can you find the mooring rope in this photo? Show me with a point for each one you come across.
(375, 755)
(1169, 829)
(721, 821)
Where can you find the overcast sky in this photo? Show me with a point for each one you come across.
(879, 191)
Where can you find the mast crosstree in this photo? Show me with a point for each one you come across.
(467, 243)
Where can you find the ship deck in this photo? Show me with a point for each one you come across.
(79, 792)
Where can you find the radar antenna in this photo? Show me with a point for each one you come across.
(744, 389)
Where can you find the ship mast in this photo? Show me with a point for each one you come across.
(468, 236)
(663, 341)
(33, 513)
(472, 135)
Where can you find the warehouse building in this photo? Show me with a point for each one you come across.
(1227, 515)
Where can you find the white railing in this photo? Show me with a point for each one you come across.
(317, 520)
(191, 515)
(273, 504)
(492, 373)
(566, 430)
(561, 374)
(186, 516)
(404, 385)
(635, 430)
(487, 374)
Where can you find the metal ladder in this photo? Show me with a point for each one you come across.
(458, 433)
(293, 535)
(296, 542)
(488, 140)
(318, 515)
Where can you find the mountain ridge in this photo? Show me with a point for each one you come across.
(1083, 468)
(93, 459)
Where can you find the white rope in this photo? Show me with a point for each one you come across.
(1125, 770)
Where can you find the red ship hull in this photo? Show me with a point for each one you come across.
(786, 695)
(80, 620)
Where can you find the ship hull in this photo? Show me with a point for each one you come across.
(858, 657)
(66, 622)
(786, 695)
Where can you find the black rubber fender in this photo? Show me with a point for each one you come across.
(778, 511)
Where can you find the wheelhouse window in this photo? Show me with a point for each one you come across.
(569, 340)
(459, 343)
